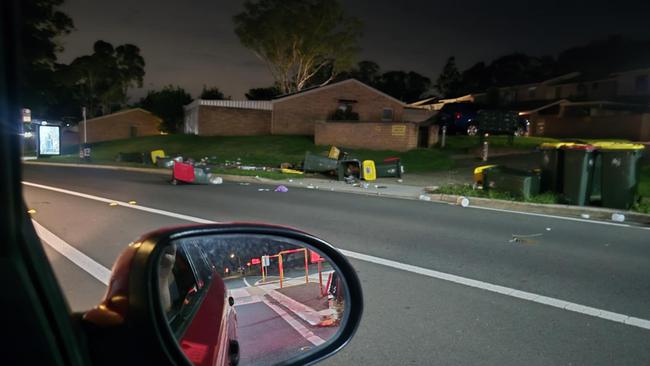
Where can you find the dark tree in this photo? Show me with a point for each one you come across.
(41, 27)
(405, 86)
(167, 104)
(267, 93)
(449, 81)
(212, 93)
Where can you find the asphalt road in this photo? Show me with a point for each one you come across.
(409, 318)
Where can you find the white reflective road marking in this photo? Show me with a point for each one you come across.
(523, 295)
(86, 263)
(301, 329)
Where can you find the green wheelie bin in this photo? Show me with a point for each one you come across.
(579, 161)
(619, 173)
(552, 166)
(518, 183)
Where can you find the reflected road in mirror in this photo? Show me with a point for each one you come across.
(249, 299)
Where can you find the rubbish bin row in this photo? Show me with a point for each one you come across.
(605, 173)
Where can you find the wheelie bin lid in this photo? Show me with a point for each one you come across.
(610, 145)
(585, 147)
(555, 145)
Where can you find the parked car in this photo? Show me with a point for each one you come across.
(458, 118)
(198, 296)
(471, 119)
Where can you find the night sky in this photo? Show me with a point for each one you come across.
(191, 43)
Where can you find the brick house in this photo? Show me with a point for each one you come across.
(121, 125)
(297, 113)
(348, 113)
(228, 118)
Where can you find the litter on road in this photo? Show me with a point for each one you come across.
(282, 189)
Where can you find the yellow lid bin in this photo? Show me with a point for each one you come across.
(555, 145)
(157, 154)
(478, 173)
(334, 153)
(369, 171)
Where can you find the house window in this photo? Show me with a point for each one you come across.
(641, 84)
(133, 131)
(387, 114)
(344, 111)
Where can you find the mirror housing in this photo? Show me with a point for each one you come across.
(131, 317)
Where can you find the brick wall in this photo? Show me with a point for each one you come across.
(296, 115)
(635, 127)
(225, 121)
(368, 135)
(118, 125)
(433, 135)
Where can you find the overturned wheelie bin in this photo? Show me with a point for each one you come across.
(318, 164)
(185, 172)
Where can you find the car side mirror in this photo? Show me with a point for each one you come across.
(228, 294)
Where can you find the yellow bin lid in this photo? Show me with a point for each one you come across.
(609, 145)
(555, 145)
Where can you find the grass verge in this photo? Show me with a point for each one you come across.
(252, 150)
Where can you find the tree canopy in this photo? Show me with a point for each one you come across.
(100, 81)
(299, 38)
(167, 104)
(42, 25)
(212, 93)
(267, 93)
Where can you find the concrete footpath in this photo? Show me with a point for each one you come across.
(402, 189)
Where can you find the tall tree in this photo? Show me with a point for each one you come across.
(267, 93)
(42, 25)
(167, 104)
(212, 93)
(449, 81)
(101, 80)
(405, 86)
(367, 72)
(298, 38)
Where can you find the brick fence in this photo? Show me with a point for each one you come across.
(227, 121)
(398, 136)
(635, 127)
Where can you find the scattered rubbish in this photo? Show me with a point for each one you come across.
(216, 180)
(548, 229)
(585, 216)
(380, 187)
(310, 186)
(332, 189)
(400, 181)
(286, 166)
(244, 184)
(31, 211)
(350, 179)
(316, 187)
(525, 239)
(356, 185)
(290, 171)
(132, 202)
(462, 201)
(366, 185)
(290, 180)
(263, 190)
(617, 217)
(424, 197)
(258, 177)
(282, 189)
(113, 204)
(247, 167)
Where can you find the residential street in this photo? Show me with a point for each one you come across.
(410, 318)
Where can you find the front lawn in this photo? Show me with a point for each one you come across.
(268, 151)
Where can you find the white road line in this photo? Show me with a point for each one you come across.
(561, 217)
(529, 296)
(304, 332)
(246, 282)
(123, 204)
(86, 263)
(523, 295)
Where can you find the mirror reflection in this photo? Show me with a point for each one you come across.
(249, 299)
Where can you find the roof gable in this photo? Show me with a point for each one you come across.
(124, 111)
(328, 86)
